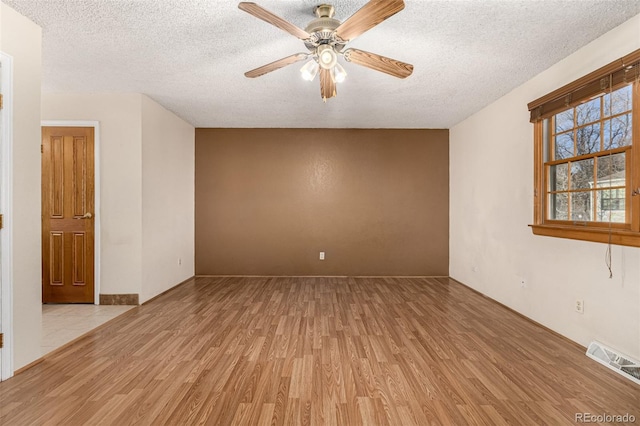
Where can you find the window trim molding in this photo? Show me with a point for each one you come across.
(547, 106)
(620, 237)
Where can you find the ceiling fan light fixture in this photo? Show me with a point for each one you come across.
(326, 37)
(309, 70)
(338, 73)
(327, 57)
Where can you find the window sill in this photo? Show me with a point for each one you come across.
(598, 235)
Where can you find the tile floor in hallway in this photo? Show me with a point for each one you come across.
(64, 323)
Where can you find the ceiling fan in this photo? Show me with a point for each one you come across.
(326, 38)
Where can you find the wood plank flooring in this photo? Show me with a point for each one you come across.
(317, 351)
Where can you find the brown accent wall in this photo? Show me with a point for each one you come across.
(269, 200)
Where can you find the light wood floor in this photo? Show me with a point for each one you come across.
(317, 351)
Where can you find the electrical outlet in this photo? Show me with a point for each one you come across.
(179, 261)
(321, 255)
(580, 306)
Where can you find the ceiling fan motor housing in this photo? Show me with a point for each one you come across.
(322, 25)
(322, 28)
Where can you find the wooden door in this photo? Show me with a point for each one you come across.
(67, 214)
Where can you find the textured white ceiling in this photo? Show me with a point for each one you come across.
(190, 56)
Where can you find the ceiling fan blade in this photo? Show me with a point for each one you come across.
(261, 13)
(327, 85)
(276, 65)
(370, 15)
(379, 63)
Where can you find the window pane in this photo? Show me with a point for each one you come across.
(559, 177)
(564, 121)
(588, 112)
(611, 170)
(564, 146)
(588, 139)
(611, 204)
(621, 101)
(558, 206)
(617, 132)
(593, 188)
(581, 206)
(582, 174)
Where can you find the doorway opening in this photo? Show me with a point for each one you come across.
(71, 211)
(6, 233)
(68, 212)
(71, 233)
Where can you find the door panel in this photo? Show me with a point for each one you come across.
(79, 259)
(56, 259)
(67, 214)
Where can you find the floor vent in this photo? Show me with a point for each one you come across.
(618, 362)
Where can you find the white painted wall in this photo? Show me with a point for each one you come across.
(491, 193)
(21, 39)
(168, 203)
(121, 180)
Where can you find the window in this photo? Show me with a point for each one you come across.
(587, 156)
(613, 201)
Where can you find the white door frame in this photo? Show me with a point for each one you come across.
(96, 229)
(6, 207)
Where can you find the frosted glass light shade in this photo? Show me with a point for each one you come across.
(309, 70)
(327, 57)
(338, 73)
